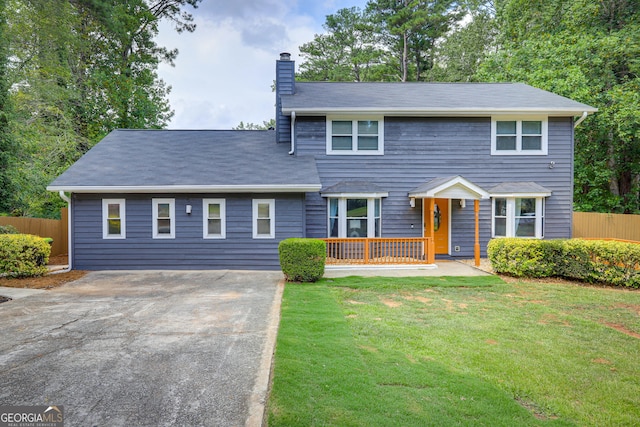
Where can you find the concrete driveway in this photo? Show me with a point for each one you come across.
(161, 348)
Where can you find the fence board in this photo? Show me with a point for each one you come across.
(54, 228)
(606, 226)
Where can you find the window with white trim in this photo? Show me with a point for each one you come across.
(354, 217)
(519, 136)
(518, 217)
(113, 219)
(214, 219)
(362, 136)
(164, 218)
(264, 213)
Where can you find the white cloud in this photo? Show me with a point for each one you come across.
(225, 69)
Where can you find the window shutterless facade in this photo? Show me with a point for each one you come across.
(214, 219)
(361, 136)
(264, 213)
(518, 217)
(354, 217)
(113, 219)
(164, 218)
(519, 136)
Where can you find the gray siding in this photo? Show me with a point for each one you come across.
(285, 85)
(188, 250)
(420, 149)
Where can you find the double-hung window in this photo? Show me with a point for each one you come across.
(113, 219)
(513, 136)
(354, 217)
(214, 218)
(363, 136)
(164, 218)
(518, 217)
(264, 212)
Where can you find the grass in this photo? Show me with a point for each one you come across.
(456, 351)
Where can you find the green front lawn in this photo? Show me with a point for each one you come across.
(456, 351)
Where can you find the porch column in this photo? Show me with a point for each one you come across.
(476, 247)
(429, 232)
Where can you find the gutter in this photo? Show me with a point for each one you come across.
(69, 267)
(293, 133)
(581, 119)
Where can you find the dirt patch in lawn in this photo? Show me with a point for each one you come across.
(623, 329)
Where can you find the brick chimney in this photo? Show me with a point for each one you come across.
(285, 85)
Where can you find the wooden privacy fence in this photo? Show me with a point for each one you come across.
(606, 226)
(57, 229)
(400, 250)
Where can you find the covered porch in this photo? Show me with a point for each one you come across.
(414, 250)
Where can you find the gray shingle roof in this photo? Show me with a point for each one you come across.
(353, 187)
(507, 188)
(459, 98)
(188, 160)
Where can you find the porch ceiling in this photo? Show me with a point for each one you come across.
(453, 187)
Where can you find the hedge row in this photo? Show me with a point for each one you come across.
(591, 261)
(302, 260)
(23, 255)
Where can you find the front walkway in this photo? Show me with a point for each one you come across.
(441, 268)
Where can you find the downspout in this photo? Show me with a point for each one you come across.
(581, 119)
(68, 200)
(293, 133)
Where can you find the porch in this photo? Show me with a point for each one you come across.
(380, 251)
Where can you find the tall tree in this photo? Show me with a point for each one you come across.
(587, 51)
(349, 51)
(5, 135)
(411, 28)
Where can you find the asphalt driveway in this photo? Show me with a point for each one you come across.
(144, 348)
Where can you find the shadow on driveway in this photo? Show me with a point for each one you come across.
(141, 348)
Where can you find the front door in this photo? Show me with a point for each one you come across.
(440, 223)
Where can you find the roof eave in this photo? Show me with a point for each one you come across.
(268, 188)
(459, 112)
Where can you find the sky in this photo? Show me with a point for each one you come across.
(224, 70)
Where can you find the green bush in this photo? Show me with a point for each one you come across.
(23, 255)
(302, 260)
(8, 229)
(592, 261)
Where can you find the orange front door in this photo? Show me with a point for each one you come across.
(440, 224)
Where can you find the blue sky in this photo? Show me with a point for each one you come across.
(224, 71)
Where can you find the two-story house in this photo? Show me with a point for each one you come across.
(406, 172)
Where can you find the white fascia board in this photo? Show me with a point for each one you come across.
(294, 188)
(521, 195)
(450, 112)
(356, 195)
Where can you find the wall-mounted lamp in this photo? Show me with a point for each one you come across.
(463, 203)
(188, 209)
(412, 202)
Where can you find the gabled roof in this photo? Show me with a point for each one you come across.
(461, 99)
(183, 161)
(451, 187)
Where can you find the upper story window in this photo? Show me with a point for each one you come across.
(363, 136)
(264, 221)
(164, 222)
(214, 218)
(519, 136)
(113, 219)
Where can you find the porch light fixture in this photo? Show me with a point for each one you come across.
(188, 209)
(412, 202)
(463, 203)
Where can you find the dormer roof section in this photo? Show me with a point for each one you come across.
(428, 99)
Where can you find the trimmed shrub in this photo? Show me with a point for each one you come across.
(23, 255)
(8, 229)
(302, 260)
(591, 261)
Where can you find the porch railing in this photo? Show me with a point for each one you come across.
(379, 250)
